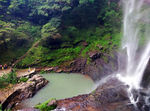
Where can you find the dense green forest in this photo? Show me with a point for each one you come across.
(54, 32)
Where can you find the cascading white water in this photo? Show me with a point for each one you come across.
(135, 49)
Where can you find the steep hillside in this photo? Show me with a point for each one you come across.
(55, 32)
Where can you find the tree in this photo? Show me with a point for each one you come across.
(51, 28)
(3, 7)
(50, 33)
(9, 34)
(40, 11)
(5, 33)
(110, 16)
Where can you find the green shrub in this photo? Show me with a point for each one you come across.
(5, 109)
(23, 79)
(0, 107)
(6, 79)
(51, 27)
(42, 72)
(44, 107)
(11, 78)
(45, 57)
(29, 29)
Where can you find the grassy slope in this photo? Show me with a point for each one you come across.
(27, 33)
(42, 56)
(93, 19)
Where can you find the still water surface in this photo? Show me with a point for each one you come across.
(61, 86)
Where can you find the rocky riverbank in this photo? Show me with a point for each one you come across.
(24, 91)
(110, 96)
(96, 69)
(79, 65)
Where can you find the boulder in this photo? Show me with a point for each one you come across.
(94, 55)
(59, 70)
(78, 65)
(52, 103)
(48, 69)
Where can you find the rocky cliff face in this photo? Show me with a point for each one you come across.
(146, 78)
(97, 68)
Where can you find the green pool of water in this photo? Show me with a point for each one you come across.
(61, 86)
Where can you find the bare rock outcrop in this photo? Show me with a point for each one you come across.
(111, 96)
(25, 90)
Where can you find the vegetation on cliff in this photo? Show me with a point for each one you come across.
(54, 32)
(46, 106)
(10, 79)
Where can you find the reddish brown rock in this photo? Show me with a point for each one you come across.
(48, 69)
(52, 103)
(108, 97)
(94, 55)
(96, 69)
(59, 70)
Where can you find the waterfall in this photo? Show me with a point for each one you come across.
(135, 48)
